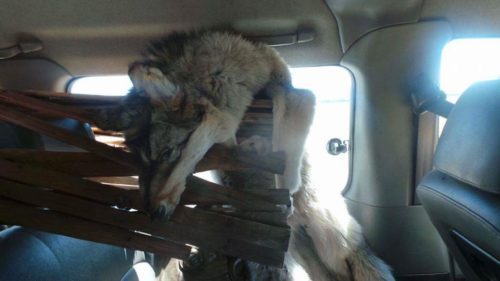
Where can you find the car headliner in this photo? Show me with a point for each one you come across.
(103, 37)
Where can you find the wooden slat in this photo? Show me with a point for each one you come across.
(69, 184)
(246, 132)
(12, 212)
(277, 196)
(205, 192)
(53, 109)
(88, 144)
(89, 101)
(102, 132)
(271, 218)
(258, 127)
(233, 227)
(92, 165)
(203, 237)
(257, 119)
(265, 118)
(122, 182)
(202, 192)
(228, 162)
(75, 163)
(86, 100)
(71, 99)
(262, 103)
(214, 231)
(198, 191)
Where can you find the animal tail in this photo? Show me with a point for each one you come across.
(364, 265)
(337, 238)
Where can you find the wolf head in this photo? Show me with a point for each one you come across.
(173, 115)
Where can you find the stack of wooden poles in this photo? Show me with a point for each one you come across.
(83, 195)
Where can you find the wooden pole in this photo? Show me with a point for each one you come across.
(84, 202)
(207, 193)
(234, 228)
(92, 165)
(219, 234)
(81, 164)
(26, 101)
(13, 212)
(50, 130)
(198, 191)
(69, 184)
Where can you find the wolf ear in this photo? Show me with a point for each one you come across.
(152, 82)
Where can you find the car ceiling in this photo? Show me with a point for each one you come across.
(102, 37)
(105, 36)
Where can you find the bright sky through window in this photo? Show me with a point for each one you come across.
(466, 61)
(317, 79)
(118, 85)
(328, 83)
(332, 87)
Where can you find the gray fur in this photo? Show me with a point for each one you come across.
(339, 252)
(190, 92)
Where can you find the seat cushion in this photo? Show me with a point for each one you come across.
(27, 255)
(457, 208)
(12, 136)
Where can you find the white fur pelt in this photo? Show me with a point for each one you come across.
(328, 246)
(325, 248)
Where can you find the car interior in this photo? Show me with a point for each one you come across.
(428, 202)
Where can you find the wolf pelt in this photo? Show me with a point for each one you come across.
(328, 243)
(190, 91)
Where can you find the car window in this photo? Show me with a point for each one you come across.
(332, 86)
(117, 85)
(465, 62)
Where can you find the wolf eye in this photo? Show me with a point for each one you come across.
(166, 154)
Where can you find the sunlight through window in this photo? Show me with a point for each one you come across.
(465, 62)
(118, 85)
(332, 87)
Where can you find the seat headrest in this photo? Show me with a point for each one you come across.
(469, 147)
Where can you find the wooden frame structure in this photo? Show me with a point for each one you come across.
(75, 194)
